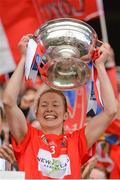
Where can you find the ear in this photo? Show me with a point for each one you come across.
(66, 115)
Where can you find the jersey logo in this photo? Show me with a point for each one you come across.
(53, 167)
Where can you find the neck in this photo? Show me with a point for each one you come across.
(57, 131)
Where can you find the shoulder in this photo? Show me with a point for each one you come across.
(77, 133)
(33, 130)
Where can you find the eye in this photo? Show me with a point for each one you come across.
(43, 105)
(55, 105)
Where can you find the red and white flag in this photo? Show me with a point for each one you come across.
(79, 9)
(20, 20)
(7, 63)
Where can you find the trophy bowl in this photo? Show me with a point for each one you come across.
(68, 44)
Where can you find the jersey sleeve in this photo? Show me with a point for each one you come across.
(18, 148)
(85, 152)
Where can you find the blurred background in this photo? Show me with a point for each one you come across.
(112, 18)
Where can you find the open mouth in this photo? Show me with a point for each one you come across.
(50, 117)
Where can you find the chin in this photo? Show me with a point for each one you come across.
(51, 125)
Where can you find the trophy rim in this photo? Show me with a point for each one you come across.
(60, 21)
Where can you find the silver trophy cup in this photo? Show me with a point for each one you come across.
(68, 44)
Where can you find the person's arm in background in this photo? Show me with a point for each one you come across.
(87, 167)
(98, 124)
(15, 116)
(111, 71)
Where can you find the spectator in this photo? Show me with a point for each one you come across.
(7, 158)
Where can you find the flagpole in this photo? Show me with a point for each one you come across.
(102, 20)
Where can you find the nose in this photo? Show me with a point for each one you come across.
(49, 108)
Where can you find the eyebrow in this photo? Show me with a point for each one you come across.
(43, 102)
(47, 101)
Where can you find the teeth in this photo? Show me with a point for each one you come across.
(50, 117)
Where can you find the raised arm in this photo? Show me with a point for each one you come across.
(97, 125)
(15, 117)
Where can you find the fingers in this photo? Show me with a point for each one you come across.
(23, 43)
(105, 48)
(9, 150)
(26, 37)
(88, 167)
(105, 52)
(5, 155)
(6, 152)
